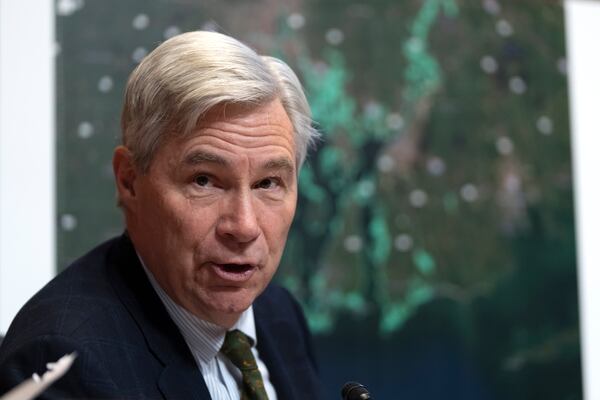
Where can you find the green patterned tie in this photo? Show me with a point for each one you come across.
(237, 348)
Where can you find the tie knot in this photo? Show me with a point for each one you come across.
(237, 347)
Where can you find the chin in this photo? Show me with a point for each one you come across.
(230, 303)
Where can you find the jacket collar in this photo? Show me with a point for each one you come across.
(270, 355)
(181, 377)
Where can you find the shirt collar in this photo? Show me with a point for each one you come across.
(204, 338)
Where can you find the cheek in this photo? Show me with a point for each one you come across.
(154, 206)
(174, 214)
(175, 229)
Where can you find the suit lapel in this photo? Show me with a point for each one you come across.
(271, 356)
(181, 382)
(181, 377)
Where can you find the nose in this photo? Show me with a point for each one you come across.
(238, 222)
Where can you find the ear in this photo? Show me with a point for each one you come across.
(125, 176)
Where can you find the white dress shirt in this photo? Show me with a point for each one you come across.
(205, 339)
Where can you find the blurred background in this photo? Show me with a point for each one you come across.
(433, 248)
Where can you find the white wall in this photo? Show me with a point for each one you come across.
(27, 124)
(583, 53)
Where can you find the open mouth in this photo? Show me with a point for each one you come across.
(236, 268)
(234, 272)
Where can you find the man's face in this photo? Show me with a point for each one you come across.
(211, 216)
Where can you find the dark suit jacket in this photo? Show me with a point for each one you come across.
(104, 308)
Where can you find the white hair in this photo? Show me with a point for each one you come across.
(190, 74)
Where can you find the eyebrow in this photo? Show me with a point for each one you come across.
(201, 157)
(283, 163)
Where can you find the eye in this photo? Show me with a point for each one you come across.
(267, 183)
(202, 180)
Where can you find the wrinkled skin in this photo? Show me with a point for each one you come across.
(211, 215)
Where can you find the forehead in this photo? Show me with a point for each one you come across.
(261, 131)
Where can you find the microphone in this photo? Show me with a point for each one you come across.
(355, 391)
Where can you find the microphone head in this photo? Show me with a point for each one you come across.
(355, 391)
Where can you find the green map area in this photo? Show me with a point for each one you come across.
(434, 235)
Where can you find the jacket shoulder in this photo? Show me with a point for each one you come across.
(79, 293)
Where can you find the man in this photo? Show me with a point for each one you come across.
(180, 306)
